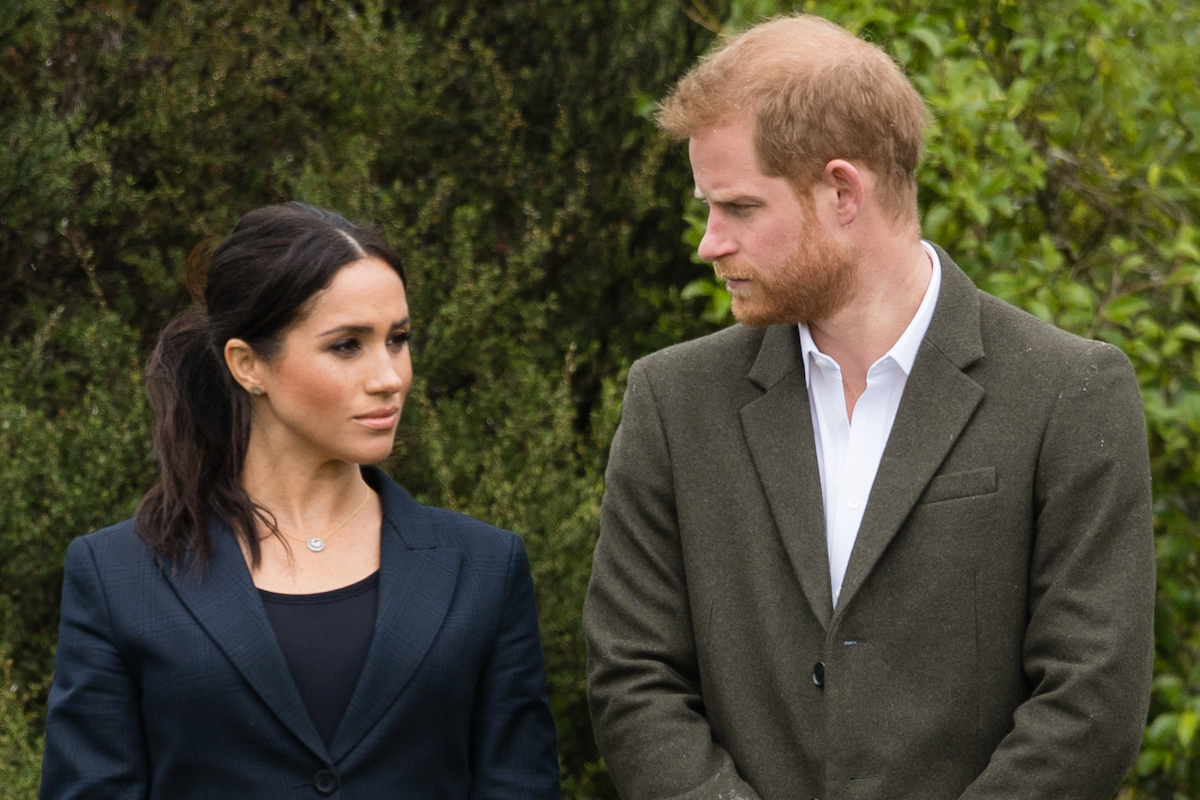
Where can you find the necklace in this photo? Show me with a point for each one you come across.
(317, 543)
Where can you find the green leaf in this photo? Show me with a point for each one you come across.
(929, 39)
(1192, 120)
(1148, 761)
(701, 287)
(1124, 309)
(1187, 727)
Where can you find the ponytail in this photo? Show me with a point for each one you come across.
(200, 437)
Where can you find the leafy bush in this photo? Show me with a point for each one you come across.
(20, 749)
(504, 147)
(74, 456)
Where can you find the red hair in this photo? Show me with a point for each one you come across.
(815, 93)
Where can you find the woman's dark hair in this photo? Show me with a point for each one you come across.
(252, 286)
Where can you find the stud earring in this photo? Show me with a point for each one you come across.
(256, 391)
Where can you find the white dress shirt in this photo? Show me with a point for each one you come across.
(848, 453)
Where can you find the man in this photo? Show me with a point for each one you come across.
(889, 538)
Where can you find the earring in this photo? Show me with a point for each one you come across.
(256, 391)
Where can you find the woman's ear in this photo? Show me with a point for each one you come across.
(245, 366)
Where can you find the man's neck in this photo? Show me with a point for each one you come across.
(891, 285)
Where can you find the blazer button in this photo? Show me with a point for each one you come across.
(325, 782)
(818, 674)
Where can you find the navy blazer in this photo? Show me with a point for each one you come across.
(170, 684)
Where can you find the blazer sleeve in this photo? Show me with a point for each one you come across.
(514, 753)
(643, 677)
(1088, 648)
(95, 747)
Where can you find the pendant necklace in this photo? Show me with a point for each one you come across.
(317, 543)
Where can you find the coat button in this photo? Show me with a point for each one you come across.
(325, 782)
(818, 674)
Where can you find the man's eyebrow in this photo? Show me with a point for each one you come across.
(360, 329)
(731, 199)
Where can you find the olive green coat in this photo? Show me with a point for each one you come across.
(994, 633)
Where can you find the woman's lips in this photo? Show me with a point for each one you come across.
(380, 420)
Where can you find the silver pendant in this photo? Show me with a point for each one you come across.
(316, 544)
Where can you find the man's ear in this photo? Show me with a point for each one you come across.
(850, 183)
(245, 365)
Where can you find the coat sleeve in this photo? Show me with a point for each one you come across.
(514, 752)
(1088, 647)
(95, 745)
(643, 677)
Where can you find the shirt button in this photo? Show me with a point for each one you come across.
(852, 502)
(325, 782)
(818, 674)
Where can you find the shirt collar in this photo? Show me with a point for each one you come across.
(904, 351)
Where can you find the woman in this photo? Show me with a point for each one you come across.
(277, 621)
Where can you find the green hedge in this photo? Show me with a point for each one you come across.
(506, 147)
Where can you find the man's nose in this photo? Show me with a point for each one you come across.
(716, 242)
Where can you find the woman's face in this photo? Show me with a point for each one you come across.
(335, 389)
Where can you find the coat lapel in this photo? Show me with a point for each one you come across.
(778, 431)
(416, 584)
(224, 601)
(939, 400)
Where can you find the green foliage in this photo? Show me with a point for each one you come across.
(20, 749)
(507, 148)
(503, 146)
(74, 456)
(1062, 172)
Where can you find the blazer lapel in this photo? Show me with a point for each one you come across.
(225, 602)
(778, 431)
(416, 584)
(939, 400)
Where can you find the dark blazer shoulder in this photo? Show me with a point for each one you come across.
(421, 526)
(121, 535)
(115, 547)
(717, 361)
(735, 345)
(980, 332)
(1015, 337)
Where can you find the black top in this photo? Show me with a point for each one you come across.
(325, 638)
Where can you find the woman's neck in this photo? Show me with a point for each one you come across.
(303, 494)
(329, 502)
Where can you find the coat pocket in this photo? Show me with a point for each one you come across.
(955, 485)
(865, 788)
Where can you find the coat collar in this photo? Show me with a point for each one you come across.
(778, 431)
(416, 583)
(418, 576)
(939, 399)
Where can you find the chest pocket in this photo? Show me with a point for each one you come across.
(956, 485)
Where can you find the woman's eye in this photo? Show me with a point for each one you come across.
(345, 346)
(399, 338)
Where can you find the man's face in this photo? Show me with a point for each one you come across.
(777, 256)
